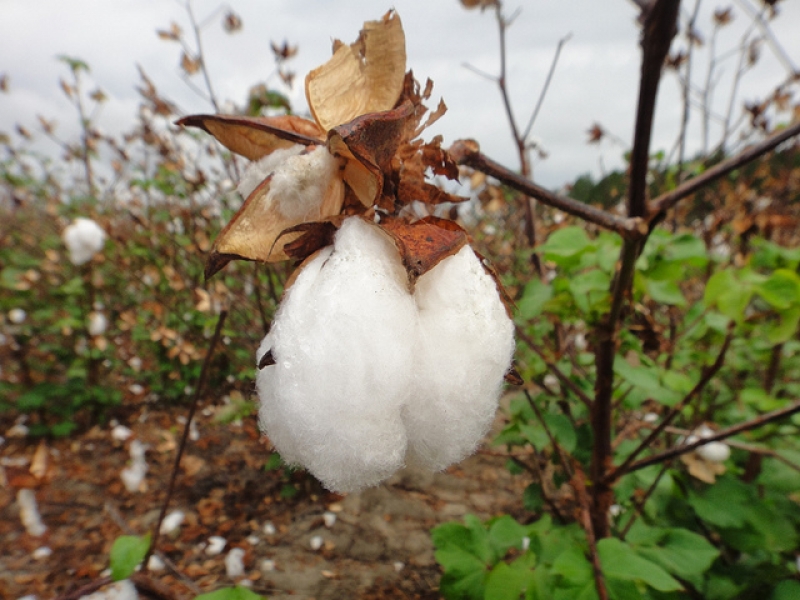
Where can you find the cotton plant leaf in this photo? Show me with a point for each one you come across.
(256, 137)
(364, 77)
(256, 230)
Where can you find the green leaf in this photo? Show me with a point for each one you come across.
(534, 297)
(532, 498)
(568, 241)
(682, 553)
(505, 532)
(619, 561)
(230, 593)
(562, 430)
(573, 566)
(665, 292)
(786, 590)
(506, 583)
(126, 554)
(786, 326)
(781, 290)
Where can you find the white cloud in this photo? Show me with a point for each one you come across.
(596, 79)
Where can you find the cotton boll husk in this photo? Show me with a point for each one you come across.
(84, 238)
(258, 171)
(464, 348)
(343, 348)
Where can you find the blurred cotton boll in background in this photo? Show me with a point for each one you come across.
(84, 238)
(368, 375)
(98, 323)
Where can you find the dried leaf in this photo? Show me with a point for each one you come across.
(255, 137)
(190, 65)
(366, 76)
(256, 231)
(424, 243)
(232, 22)
(699, 468)
(39, 463)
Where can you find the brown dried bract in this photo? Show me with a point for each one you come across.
(424, 243)
(256, 137)
(364, 77)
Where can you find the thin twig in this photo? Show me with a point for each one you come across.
(639, 503)
(755, 423)
(658, 206)
(562, 457)
(192, 409)
(467, 152)
(708, 373)
(554, 368)
(545, 87)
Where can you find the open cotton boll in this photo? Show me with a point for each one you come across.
(716, 452)
(98, 323)
(259, 170)
(342, 342)
(464, 348)
(84, 238)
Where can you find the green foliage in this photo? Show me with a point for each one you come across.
(230, 593)
(127, 553)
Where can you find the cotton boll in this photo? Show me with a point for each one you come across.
(716, 452)
(342, 342)
(84, 238)
(464, 348)
(17, 316)
(98, 323)
(299, 184)
(259, 170)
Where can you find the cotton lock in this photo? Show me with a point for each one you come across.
(369, 377)
(83, 238)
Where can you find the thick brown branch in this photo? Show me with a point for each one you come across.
(467, 152)
(664, 202)
(658, 29)
(755, 423)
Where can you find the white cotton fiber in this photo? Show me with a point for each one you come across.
(84, 238)
(464, 348)
(300, 183)
(368, 376)
(259, 170)
(98, 323)
(29, 513)
(342, 343)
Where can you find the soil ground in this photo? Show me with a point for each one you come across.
(378, 547)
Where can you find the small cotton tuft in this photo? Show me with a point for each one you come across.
(84, 238)
(133, 475)
(234, 563)
(300, 183)
(29, 513)
(17, 316)
(172, 521)
(259, 170)
(368, 376)
(98, 323)
(216, 544)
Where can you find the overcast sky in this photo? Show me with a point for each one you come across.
(595, 81)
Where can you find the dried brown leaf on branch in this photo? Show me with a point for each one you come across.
(232, 22)
(189, 64)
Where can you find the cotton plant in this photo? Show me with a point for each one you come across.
(393, 340)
